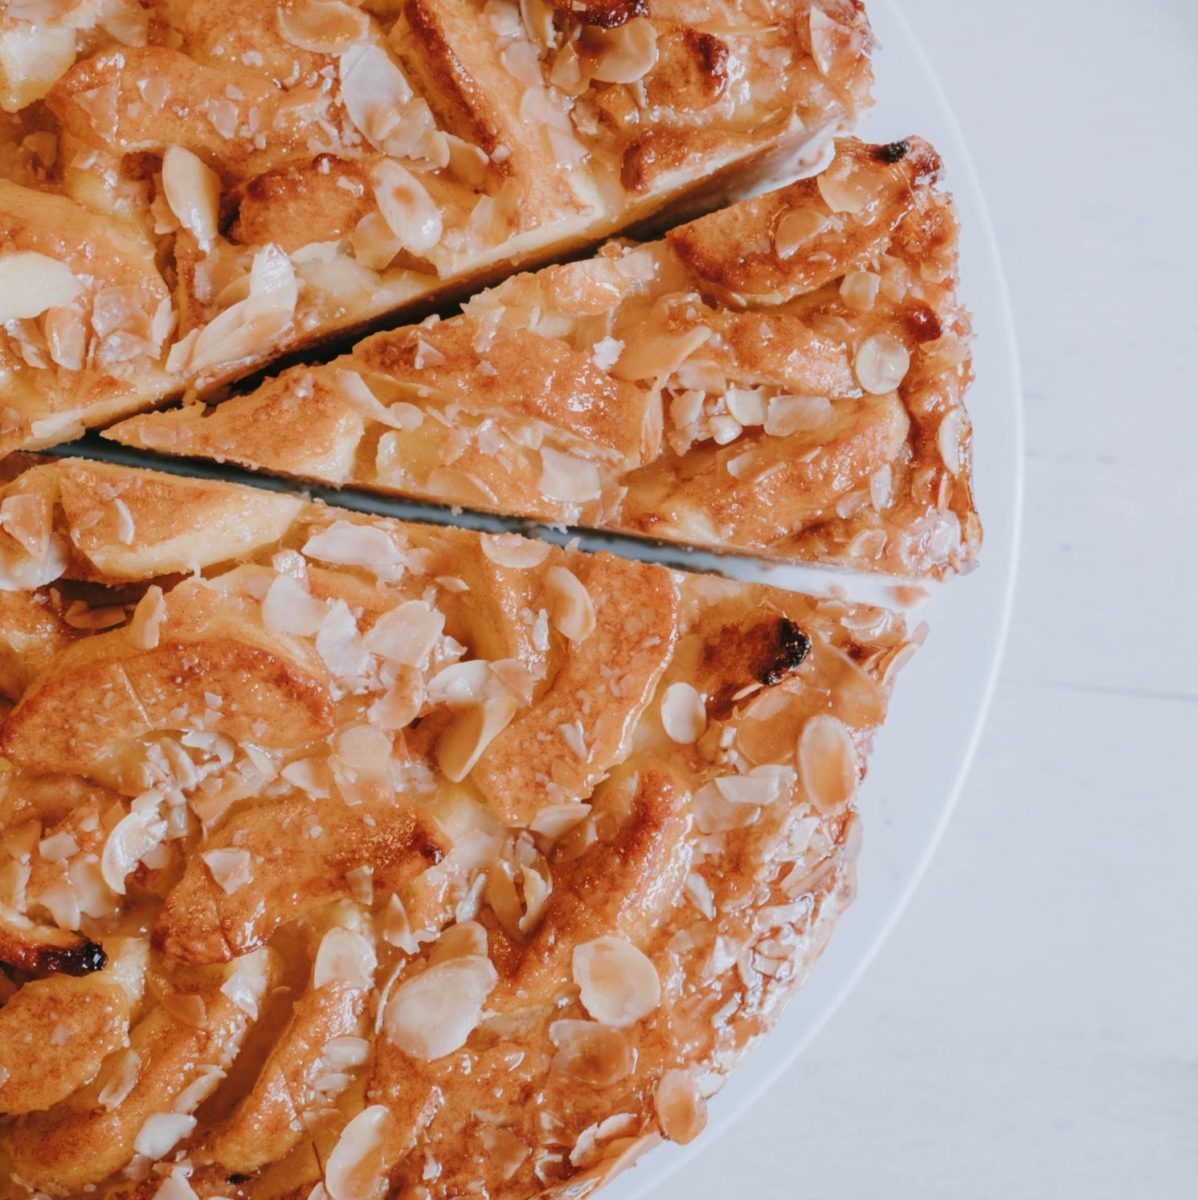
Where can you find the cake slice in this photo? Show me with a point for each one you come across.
(783, 378)
(189, 190)
(327, 842)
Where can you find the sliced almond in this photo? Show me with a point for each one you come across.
(434, 1013)
(462, 744)
(683, 714)
(881, 363)
(193, 193)
(796, 227)
(31, 283)
(680, 1107)
(629, 52)
(572, 613)
(321, 26)
(406, 206)
(356, 1168)
(344, 956)
(828, 764)
(618, 985)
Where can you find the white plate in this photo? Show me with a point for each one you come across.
(941, 697)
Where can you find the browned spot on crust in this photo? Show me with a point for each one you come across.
(765, 653)
(451, 89)
(691, 70)
(303, 203)
(304, 852)
(607, 14)
(920, 322)
(47, 950)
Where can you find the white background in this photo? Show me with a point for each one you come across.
(1031, 1028)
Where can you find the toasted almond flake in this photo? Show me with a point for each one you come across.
(571, 611)
(589, 1146)
(512, 550)
(747, 405)
(193, 193)
(344, 956)
(121, 1080)
(881, 364)
(348, 544)
(146, 622)
(406, 634)
(462, 744)
(406, 206)
(460, 683)
(131, 839)
(618, 985)
(376, 95)
(760, 787)
(467, 939)
(787, 415)
(680, 1107)
(828, 763)
(845, 190)
(231, 868)
(28, 520)
(859, 289)
(31, 283)
(395, 928)
(57, 847)
(322, 26)
(606, 352)
(590, 1053)
(175, 1187)
(288, 607)
(717, 813)
(683, 714)
(881, 488)
(660, 355)
(795, 227)
(950, 438)
(435, 1012)
(833, 46)
(242, 329)
(161, 1133)
(629, 52)
(340, 645)
(360, 1158)
(555, 820)
(567, 478)
(354, 388)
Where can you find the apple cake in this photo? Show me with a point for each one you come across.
(349, 858)
(189, 190)
(783, 378)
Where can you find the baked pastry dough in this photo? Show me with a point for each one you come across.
(188, 190)
(783, 378)
(392, 858)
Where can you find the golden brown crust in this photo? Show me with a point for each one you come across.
(783, 378)
(358, 917)
(299, 169)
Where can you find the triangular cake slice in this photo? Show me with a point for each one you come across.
(784, 378)
(192, 189)
(329, 841)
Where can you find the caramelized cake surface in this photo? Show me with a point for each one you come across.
(783, 378)
(389, 859)
(188, 190)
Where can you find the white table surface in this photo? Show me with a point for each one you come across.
(1031, 1028)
